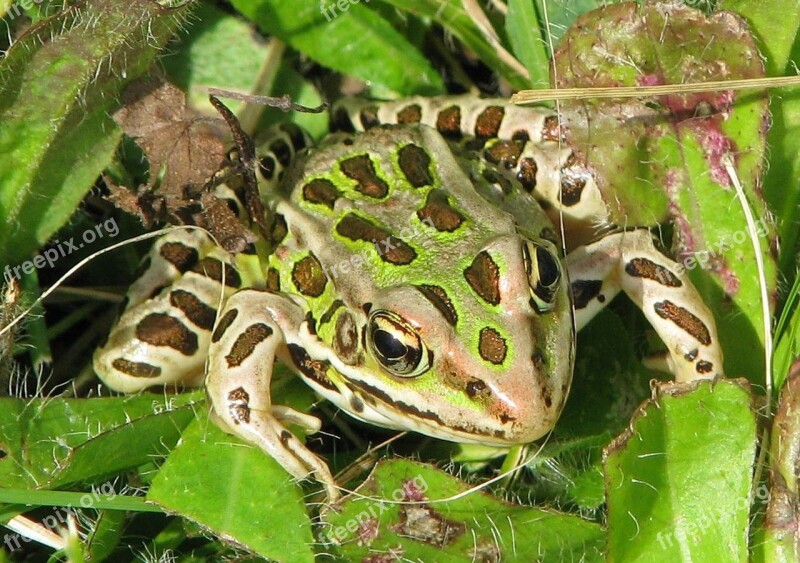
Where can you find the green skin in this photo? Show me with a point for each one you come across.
(412, 283)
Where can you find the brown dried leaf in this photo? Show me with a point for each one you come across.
(184, 153)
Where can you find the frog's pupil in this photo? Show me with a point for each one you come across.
(389, 347)
(548, 269)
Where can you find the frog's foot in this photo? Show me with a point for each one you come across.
(630, 262)
(241, 357)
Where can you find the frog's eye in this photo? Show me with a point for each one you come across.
(544, 274)
(397, 347)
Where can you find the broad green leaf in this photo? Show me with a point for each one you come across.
(663, 157)
(58, 83)
(55, 442)
(775, 35)
(204, 54)
(356, 42)
(236, 491)
(777, 38)
(527, 41)
(405, 508)
(451, 15)
(678, 481)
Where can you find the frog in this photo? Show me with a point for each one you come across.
(424, 269)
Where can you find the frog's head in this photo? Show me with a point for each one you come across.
(484, 355)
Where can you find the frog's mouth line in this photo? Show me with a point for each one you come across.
(427, 422)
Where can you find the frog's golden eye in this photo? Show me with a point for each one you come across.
(544, 274)
(396, 345)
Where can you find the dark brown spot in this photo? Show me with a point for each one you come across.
(179, 255)
(571, 190)
(504, 153)
(438, 297)
(296, 135)
(239, 406)
(526, 174)
(341, 121)
(369, 117)
(520, 135)
(483, 276)
(136, 369)
(497, 179)
(239, 413)
(361, 169)
(239, 395)
(489, 121)
(315, 370)
(645, 268)
(551, 131)
(195, 310)
(583, 291)
(539, 360)
(439, 213)
(212, 268)
(285, 438)
(160, 329)
(448, 122)
(281, 151)
(390, 248)
(278, 230)
(311, 323)
(345, 339)
(547, 397)
(704, 366)
(328, 315)
(308, 276)
(321, 191)
(492, 346)
(475, 387)
(273, 281)
(266, 165)
(226, 321)
(684, 319)
(573, 180)
(415, 163)
(246, 342)
(356, 404)
(410, 114)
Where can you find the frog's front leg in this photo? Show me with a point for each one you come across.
(630, 262)
(244, 345)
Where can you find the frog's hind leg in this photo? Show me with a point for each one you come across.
(162, 336)
(241, 358)
(629, 261)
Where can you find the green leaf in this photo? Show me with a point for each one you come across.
(526, 39)
(237, 491)
(678, 482)
(204, 55)
(451, 15)
(57, 85)
(410, 510)
(357, 42)
(777, 38)
(60, 441)
(663, 157)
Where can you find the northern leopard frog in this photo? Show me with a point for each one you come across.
(416, 281)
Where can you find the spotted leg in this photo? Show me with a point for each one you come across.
(629, 261)
(245, 342)
(162, 336)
